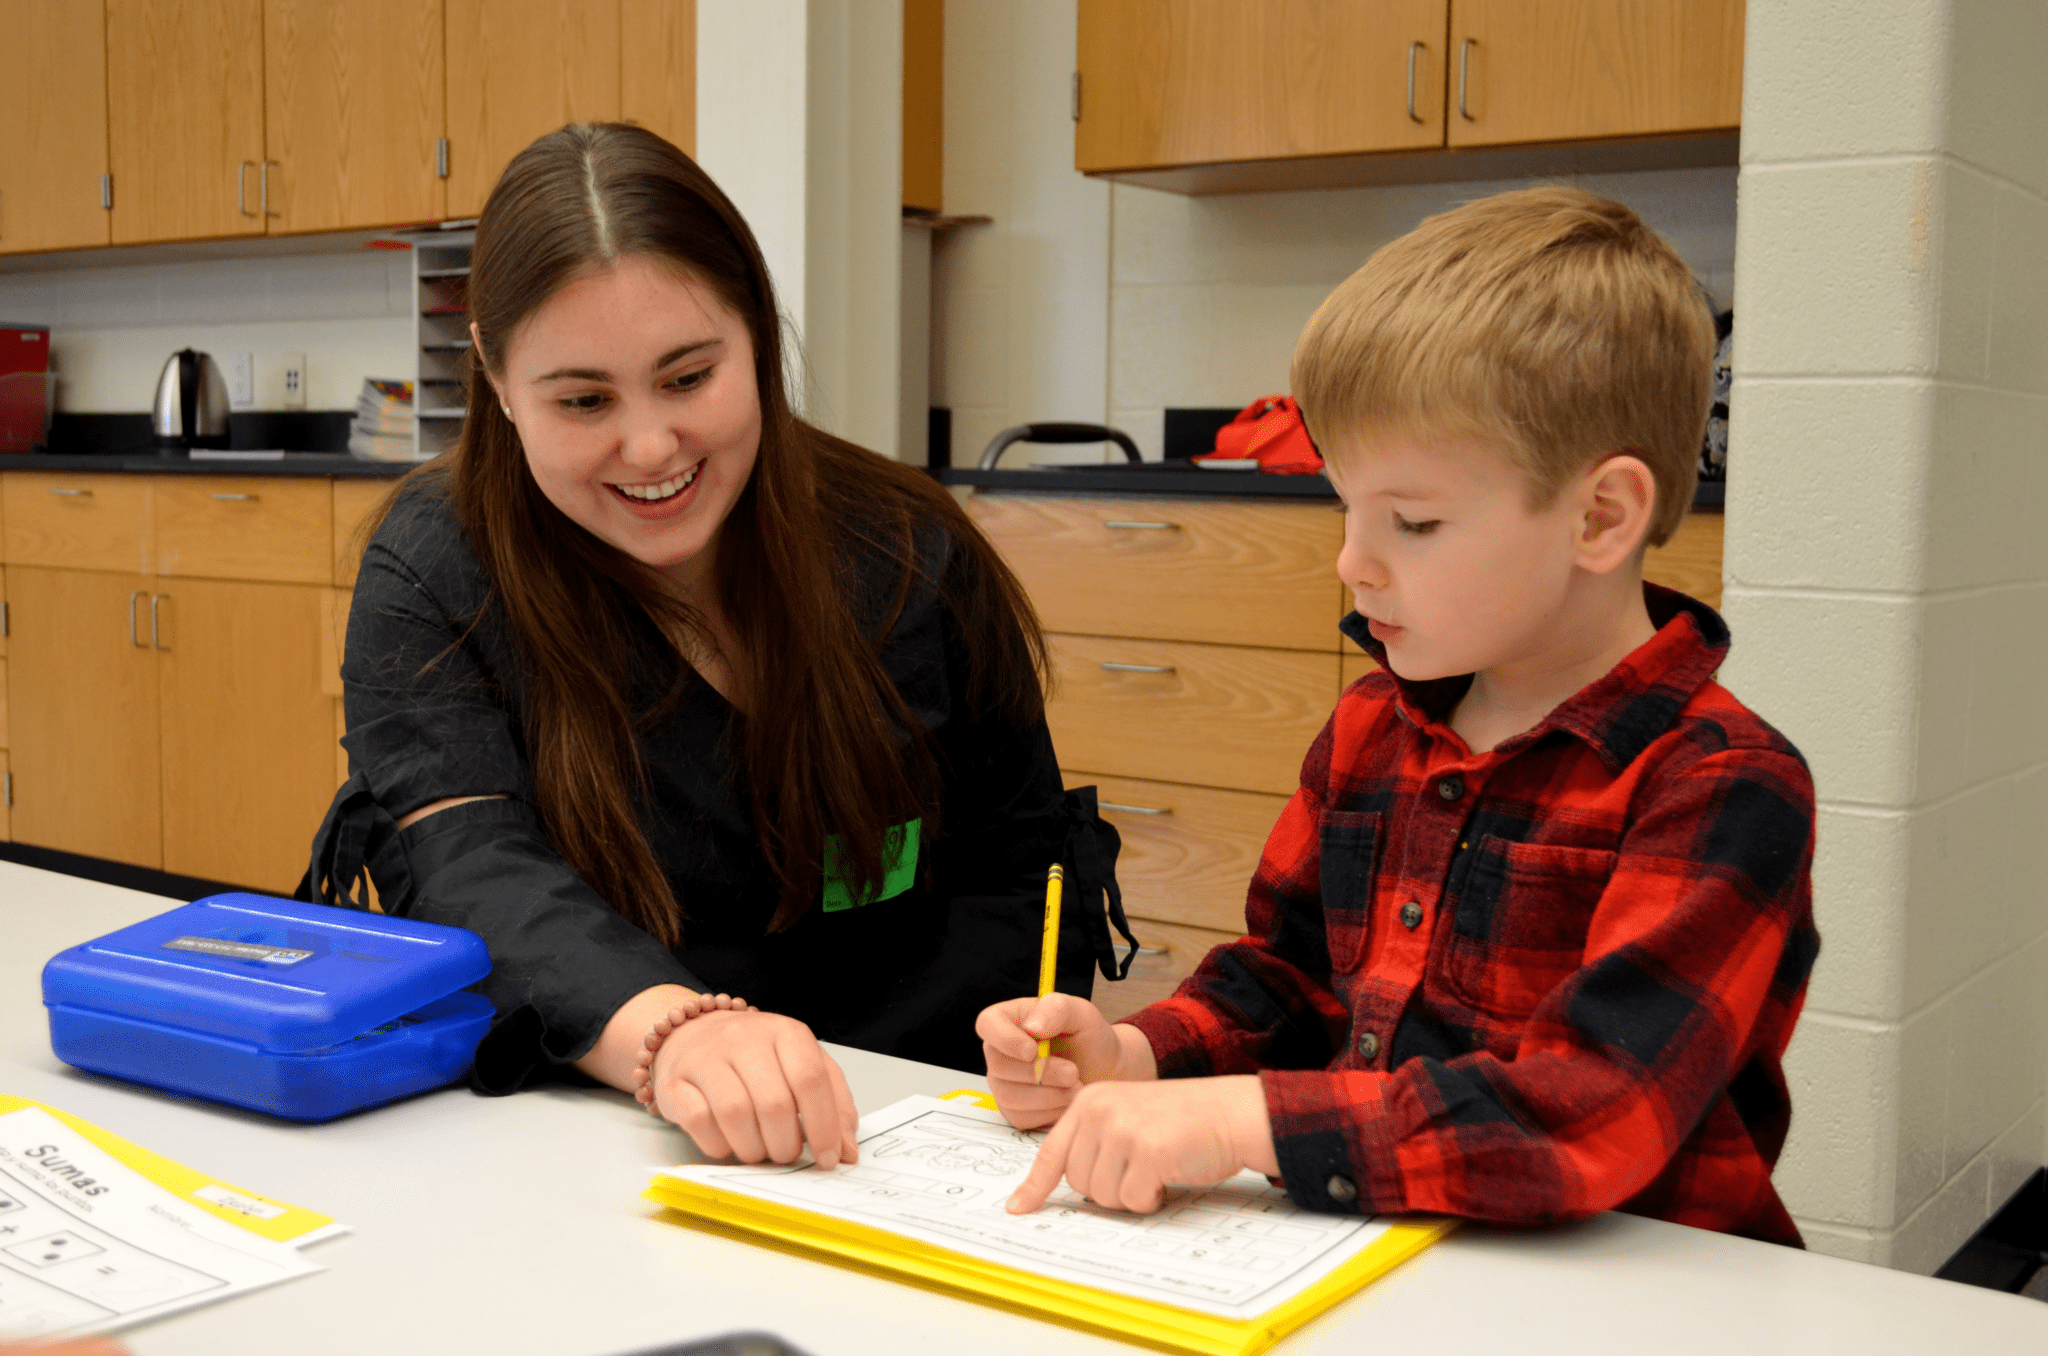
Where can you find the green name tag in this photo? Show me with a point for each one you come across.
(899, 868)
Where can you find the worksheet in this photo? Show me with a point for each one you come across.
(940, 1172)
(87, 1244)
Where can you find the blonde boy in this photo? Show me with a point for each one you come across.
(1531, 938)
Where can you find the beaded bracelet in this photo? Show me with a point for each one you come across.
(696, 1006)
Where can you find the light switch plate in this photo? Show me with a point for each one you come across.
(241, 380)
(295, 381)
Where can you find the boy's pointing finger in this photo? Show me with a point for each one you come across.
(1045, 1171)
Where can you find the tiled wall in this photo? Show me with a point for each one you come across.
(1207, 295)
(112, 328)
(1888, 588)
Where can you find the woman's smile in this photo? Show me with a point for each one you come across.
(660, 498)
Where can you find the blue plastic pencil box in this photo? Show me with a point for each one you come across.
(304, 1011)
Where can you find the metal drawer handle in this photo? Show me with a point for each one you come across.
(155, 633)
(1143, 527)
(1465, 69)
(1134, 809)
(236, 497)
(1155, 950)
(1137, 668)
(73, 494)
(134, 639)
(1413, 48)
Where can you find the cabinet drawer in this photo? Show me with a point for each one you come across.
(354, 500)
(1175, 569)
(1188, 851)
(6, 800)
(78, 521)
(1170, 952)
(245, 527)
(1207, 715)
(3, 703)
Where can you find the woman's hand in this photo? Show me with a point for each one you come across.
(755, 1086)
(1085, 1049)
(1123, 1144)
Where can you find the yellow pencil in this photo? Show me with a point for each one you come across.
(1048, 959)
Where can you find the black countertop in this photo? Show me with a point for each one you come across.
(1142, 478)
(339, 465)
(1162, 479)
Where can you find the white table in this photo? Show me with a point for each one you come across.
(514, 1226)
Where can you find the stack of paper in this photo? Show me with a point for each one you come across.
(1226, 1269)
(97, 1233)
(383, 426)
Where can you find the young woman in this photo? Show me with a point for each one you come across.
(668, 694)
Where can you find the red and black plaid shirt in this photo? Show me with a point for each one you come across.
(1535, 983)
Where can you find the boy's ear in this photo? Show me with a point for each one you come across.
(1616, 498)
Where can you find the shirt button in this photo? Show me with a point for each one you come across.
(1451, 787)
(1411, 915)
(1339, 1189)
(1369, 1046)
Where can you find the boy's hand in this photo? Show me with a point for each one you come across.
(1085, 1049)
(1122, 1144)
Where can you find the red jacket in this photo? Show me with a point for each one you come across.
(1535, 983)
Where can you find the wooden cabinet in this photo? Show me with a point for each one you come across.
(517, 69)
(354, 106)
(185, 118)
(86, 752)
(248, 756)
(170, 677)
(53, 66)
(1573, 70)
(1218, 96)
(1179, 82)
(658, 68)
(1121, 567)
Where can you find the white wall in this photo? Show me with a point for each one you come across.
(1020, 330)
(1888, 588)
(799, 119)
(112, 328)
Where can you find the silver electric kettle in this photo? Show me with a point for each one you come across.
(191, 408)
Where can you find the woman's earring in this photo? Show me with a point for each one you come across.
(507, 409)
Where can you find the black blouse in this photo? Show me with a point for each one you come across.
(434, 700)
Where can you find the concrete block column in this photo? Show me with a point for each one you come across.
(1887, 570)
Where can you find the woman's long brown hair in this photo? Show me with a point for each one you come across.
(822, 742)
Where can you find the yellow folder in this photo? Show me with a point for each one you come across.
(1165, 1326)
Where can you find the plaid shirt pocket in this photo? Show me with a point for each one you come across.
(1521, 922)
(1350, 849)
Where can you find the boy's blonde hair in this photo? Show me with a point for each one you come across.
(1549, 322)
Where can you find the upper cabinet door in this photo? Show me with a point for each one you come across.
(54, 150)
(518, 69)
(1572, 70)
(658, 68)
(185, 118)
(1186, 82)
(353, 109)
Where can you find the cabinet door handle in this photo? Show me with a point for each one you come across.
(155, 628)
(263, 189)
(235, 498)
(1137, 668)
(1134, 809)
(72, 494)
(1141, 527)
(242, 188)
(1464, 70)
(1413, 48)
(134, 639)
